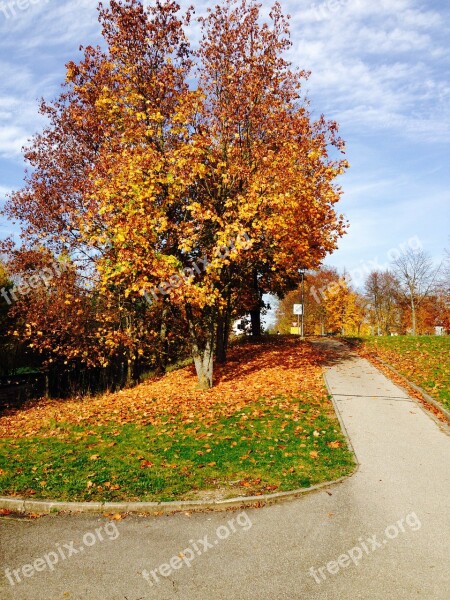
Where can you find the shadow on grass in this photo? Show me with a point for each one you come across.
(251, 355)
(246, 356)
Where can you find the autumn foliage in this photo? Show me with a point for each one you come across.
(331, 306)
(384, 306)
(157, 157)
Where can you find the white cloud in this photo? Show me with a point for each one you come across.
(375, 62)
(395, 40)
(33, 42)
(4, 191)
(12, 139)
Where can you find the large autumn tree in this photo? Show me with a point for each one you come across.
(158, 160)
(245, 157)
(271, 170)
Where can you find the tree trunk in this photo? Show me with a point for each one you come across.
(129, 371)
(162, 350)
(255, 317)
(220, 342)
(413, 315)
(255, 313)
(223, 333)
(202, 347)
(223, 330)
(137, 370)
(204, 361)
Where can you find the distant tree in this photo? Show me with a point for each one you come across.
(345, 309)
(381, 288)
(316, 284)
(418, 278)
(445, 279)
(433, 312)
(360, 318)
(440, 305)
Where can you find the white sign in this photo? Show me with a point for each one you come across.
(298, 309)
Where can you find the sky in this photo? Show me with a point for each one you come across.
(380, 69)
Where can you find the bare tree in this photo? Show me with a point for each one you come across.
(417, 278)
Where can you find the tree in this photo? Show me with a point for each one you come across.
(433, 312)
(446, 270)
(382, 291)
(417, 277)
(345, 311)
(224, 148)
(62, 208)
(142, 176)
(274, 172)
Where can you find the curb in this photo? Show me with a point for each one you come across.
(418, 389)
(342, 424)
(341, 421)
(22, 505)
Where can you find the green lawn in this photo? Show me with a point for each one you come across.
(424, 360)
(267, 446)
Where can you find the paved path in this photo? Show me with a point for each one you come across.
(382, 534)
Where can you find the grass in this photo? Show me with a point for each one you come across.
(262, 448)
(242, 438)
(424, 360)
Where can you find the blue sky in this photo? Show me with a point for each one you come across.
(381, 69)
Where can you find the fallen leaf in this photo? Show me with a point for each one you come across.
(335, 444)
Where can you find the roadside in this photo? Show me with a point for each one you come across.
(421, 365)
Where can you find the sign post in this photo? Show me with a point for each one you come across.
(301, 307)
(298, 310)
(303, 304)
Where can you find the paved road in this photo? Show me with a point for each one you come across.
(382, 534)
